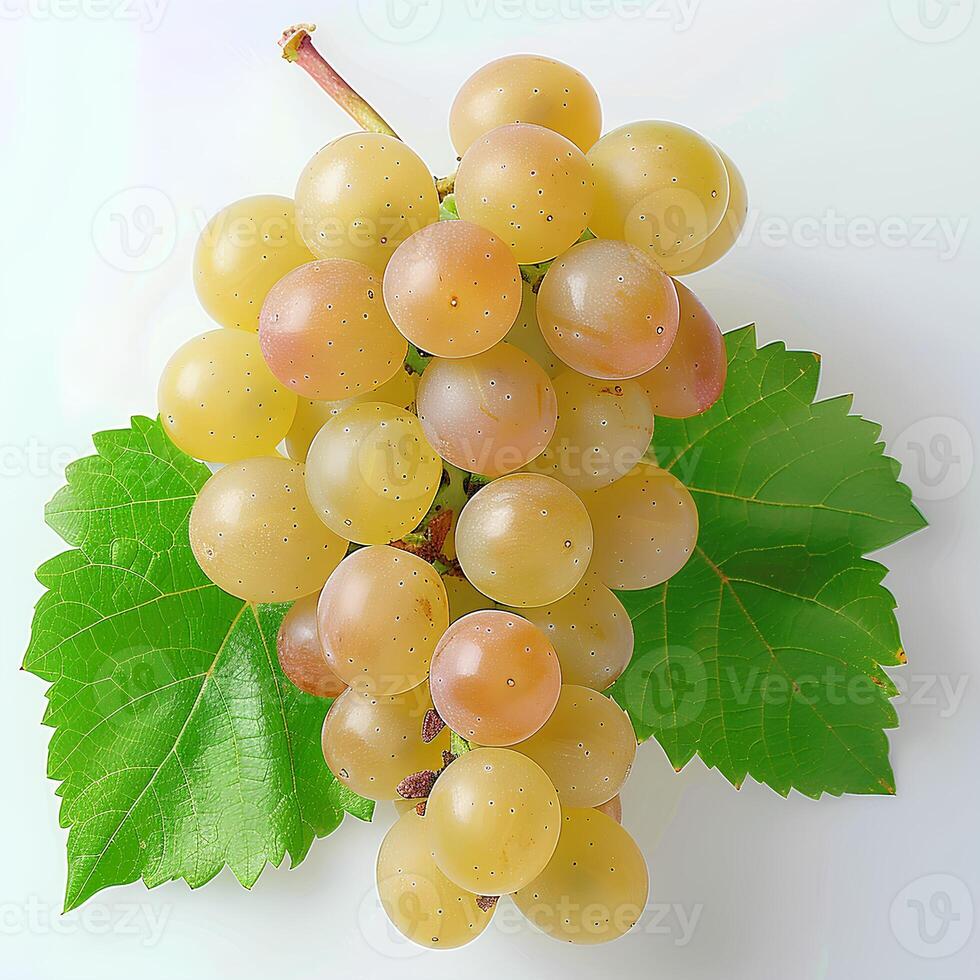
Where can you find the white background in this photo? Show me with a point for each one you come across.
(856, 128)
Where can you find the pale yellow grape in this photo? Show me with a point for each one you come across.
(586, 747)
(463, 598)
(244, 250)
(691, 378)
(361, 196)
(495, 818)
(421, 902)
(526, 335)
(325, 332)
(526, 88)
(723, 237)
(524, 540)
(591, 632)
(528, 185)
(604, 428)
(219, 401)
(255, 535)
(312, 415)
(495, 678)
(371, 473)
(646, 528)
(453, 289)
(595, 887)
(371, 743)
(404, 806)
(607, 310)
(380, 616)
(301, 653)
(491, 413)
(659, 186)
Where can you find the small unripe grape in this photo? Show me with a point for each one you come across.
(723, 237)
(255, 535)
(612, 808)
(524, 540)
(372, 742)
(453, 289)
(586, 747)
(463, 598)
(300, 653)
(242, 253)
(526, 335)
(594, 888)
(603, 430)
(381, 615)
(491, 413)
(312, 415)
(326, 334)
(371, 473)
(495, 678)
(421, 902)
(659, 186)
(591, 632)
(361, 196)
(528, 185)
(691, 378)
(608, 311)
(220, 402)
(495, 820)
(646, 527)
(526, 88)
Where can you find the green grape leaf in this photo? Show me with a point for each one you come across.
(764, 654)
(179, 745)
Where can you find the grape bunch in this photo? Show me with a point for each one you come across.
(431, 433)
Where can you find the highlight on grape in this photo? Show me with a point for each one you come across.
(434, 401)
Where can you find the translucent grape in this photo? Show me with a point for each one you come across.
(300, 653)
(526, 88)
(524, 540)
(463, 598)
(219, 402)
(586, 747)
(453, 289)
(612, 808)
(607, 311)
(603, 430)
(371, 473)
(371, 743)
(723, 237)
(691, 378)
(659, 186)
(528, 185)
(594, 888)
(361, 196)
(526, 335)
(491, 413)
(646, 527)
(421, 902)
(495, 678)
(255, 535)
(311, 415)
(591, 632)
(325, 331)
(494, 818)
(242, 253)
(381, 614)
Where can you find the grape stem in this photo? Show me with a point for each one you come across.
(298, 48)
